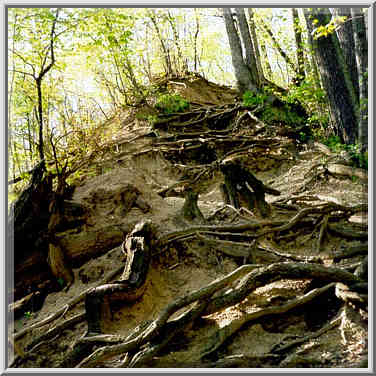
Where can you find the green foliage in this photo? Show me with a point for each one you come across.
(358, 158)
(328, 29)
(28, 314)
(171, 103)
(284, 115)
(152, 119)
(251, 99)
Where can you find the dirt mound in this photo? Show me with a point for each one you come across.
(269, 327)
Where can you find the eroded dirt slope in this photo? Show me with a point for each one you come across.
(188, 265)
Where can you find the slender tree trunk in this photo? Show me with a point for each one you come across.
(250, 58)
(195, 40)
(334, 76)
(311, 58)
(361, 52)
(38, 82)
(242, 73)
(268, 69)
(256, 48)
(299, 44)
(345, 35)
(40, 118)
(165, 51)
(30, 140)
(278, 47)
(180, 63)
(10, 97)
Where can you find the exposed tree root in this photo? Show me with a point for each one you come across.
(344, 293)
(250, 281)
(227, 331)
(324, 225)
(281, 348)
(361, 249)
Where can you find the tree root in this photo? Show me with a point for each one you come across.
(62, 311)
(344, 293)
(227, 331)
(277, 271)
(56, 330)
(361, 249)
(155, 327)
(150, 335)
(281, 348)
(324, 225)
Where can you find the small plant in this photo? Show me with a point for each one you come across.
(358, 158)
(251, 99)
(281, 115)
(28, 314)
(61, 282)
(171, 103)
(152, 119)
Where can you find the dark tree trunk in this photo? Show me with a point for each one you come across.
(137, 247)
(334, 77)
(242, 73)
(40, 119)
(361, 53)
(250, 58)
(38, 82)
(27, 230)
(345, 35)
(242, 188)
(191, 211)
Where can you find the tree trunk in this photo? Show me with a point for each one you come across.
(278, 47)
(137, 247)
(242, 73)
(242, 187)
(191, 211)
(311, 60)
(250, 58)
(345, 35)
(299, 44)
(268, 69)
(335, 78)
(252, 28)
(361, 52)
(40, 119)
(166, 54)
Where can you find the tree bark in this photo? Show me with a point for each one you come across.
(335, 77)
(252, 28)
(240, 184)
(242, 73)
(345, 35)
(278, 47)
(249, 49)
(299, 44)
(38, 82)
(268, 68)
(361, 53)
(191, 211)
(131, 285)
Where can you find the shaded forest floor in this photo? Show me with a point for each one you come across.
(303, 174)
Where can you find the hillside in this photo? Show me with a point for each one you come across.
(258, 245)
